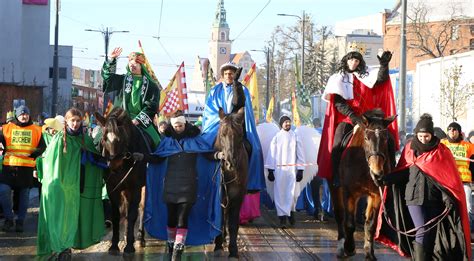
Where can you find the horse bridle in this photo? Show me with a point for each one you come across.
(375, 153)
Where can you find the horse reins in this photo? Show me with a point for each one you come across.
(412, 232)
(127, 156)
(224, 183)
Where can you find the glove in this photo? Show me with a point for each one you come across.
(356, 119)
(299, 175)
(384, 60)
(271, 175)
(448, 202)
(219, 155)
(137, 156)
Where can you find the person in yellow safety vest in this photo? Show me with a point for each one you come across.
(23, 142)
(462, 151)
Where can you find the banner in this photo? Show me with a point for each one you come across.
(175, 95)
(250, 80)
(294, 109)
(269, 114)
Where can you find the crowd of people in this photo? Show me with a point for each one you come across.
(433, 174)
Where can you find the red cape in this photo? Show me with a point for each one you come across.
(440, 165)
(365, 98)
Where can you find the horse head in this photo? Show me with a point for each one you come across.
(230, 137)
(117, 130)
(376, 137)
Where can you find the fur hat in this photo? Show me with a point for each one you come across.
(22, 110)
(227, 66)
(425, 124)
(283, 119)
(455, 125)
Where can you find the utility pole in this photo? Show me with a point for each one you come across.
(403, 65)
(107, 32)
(302, 48)
(54, 92)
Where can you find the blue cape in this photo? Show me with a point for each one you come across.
(210, 125)
(204, 221)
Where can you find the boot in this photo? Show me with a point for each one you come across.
(292, 218)
(418, 252)
(169, 248)
(8, 226)
(65, 255)
(177, 252)
(19, 225)
(283, 223)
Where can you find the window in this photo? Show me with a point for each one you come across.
(471, 27)
(62, 73)
(368, 52)
(222, 36)
(471, 44)
(455, 32)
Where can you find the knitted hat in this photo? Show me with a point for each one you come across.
(455, 125)
(22, 110)
(283, 119)
(425, 124)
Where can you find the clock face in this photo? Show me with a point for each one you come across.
(222, 50)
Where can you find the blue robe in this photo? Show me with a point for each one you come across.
(210, 125)
(204, 221)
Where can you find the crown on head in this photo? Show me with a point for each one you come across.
(357, 47)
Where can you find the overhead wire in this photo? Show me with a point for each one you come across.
(248, 25)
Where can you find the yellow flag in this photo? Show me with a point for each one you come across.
(294, 110)
(270, 110)
(250, 80)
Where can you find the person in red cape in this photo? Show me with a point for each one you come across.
(425, 187)
(353, 90)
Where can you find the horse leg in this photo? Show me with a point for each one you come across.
(141, 211)
(349, 223)
(131, 219)
(336, 197)
(373, 206)
(234, 216)
(115, 202)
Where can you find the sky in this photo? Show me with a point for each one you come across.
(184, 27)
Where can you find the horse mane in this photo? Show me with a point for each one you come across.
(119, 117)
(231, 121)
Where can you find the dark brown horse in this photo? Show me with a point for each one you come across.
(234, 168)
(363, 163)
(127, 177)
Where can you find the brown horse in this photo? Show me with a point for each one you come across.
(234, 168)
(127, 177)
(363, 163)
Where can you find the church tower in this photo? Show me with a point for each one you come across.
(219, 45)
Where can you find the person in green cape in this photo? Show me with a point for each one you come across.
(139, 92)
(71, 213)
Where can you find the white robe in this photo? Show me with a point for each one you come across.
(285, 148)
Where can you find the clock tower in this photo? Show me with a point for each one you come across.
(219, 45)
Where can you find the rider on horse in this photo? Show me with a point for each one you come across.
(350, 92)
(139, 92)
(230, 98)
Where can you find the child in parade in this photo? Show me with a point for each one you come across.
(71, 214)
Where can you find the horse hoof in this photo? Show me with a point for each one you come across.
(219, 253)
(129, 249)
(114, 251)
(350, 253)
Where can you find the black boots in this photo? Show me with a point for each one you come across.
(169, 248)
(19, 226)
(283, 223)
(418, 252)
(177, 252)
(292, 218)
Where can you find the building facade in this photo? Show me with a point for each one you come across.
(86, 90)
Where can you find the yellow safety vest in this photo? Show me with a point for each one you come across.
(20, 143)
(465, 150)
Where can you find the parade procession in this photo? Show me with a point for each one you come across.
(313, 130)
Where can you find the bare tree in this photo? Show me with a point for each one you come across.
(455, 95)
(432, 38)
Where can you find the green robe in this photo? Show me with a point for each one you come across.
(139, 96)
(67, 217)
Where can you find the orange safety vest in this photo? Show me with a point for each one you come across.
(462, 149)
(21, 142)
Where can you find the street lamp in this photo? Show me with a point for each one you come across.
(106, 33)
(302, 19)
(267, 56)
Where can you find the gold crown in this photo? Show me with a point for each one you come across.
(357, 47)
